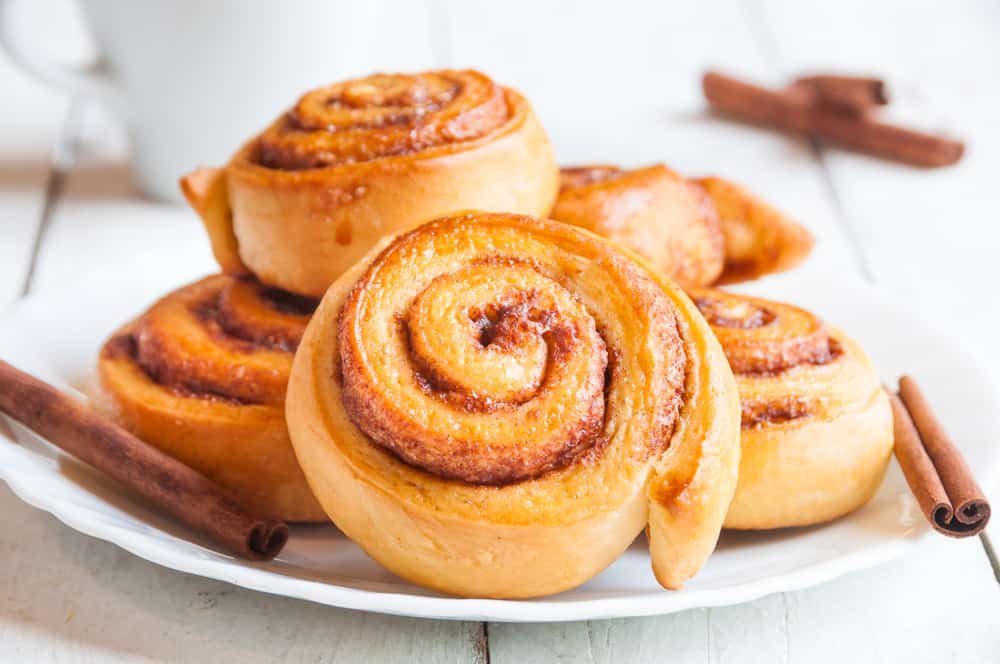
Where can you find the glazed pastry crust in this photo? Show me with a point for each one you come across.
(759, 238)
(816, 425)
(697, 232)
(212, 400)
(652, 211)
(303, 205)
(665, 458)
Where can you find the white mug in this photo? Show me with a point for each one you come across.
(193, 79)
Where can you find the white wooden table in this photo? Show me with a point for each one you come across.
(612, 81)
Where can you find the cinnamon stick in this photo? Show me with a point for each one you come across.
(935, 470)
(857, 95)
(833, 108)
(171, 486)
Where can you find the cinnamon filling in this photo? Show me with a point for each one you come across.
(742, 315)
(761, 339)
(756, 414)
(221, 338)
(764, 338)
(491, 372)
(124, 346)
(383, 115)
(284, 302)
(265, 317)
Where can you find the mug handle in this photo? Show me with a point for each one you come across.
(20, 46)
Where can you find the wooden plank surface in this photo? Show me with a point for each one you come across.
(812, 186)
(618, 85)
(31, 116)
(929, 237)
(100, 220)
(72, 598)
(908, 610)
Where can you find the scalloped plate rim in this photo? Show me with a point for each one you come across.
(176, 553)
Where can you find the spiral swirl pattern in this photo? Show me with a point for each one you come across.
(222, 338)
(381, 116)
(816, 430)
(202, 375)
(490, 368)
(513, 400)
(764, 339)
(352, 162)
(761, 336)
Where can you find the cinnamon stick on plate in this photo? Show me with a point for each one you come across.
(173, 487)
(938, 476)
(837, 108)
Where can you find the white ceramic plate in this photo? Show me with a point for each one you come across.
(56, 337)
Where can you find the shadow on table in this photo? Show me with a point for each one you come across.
(102, 181)
(85, 181)
(25, 175)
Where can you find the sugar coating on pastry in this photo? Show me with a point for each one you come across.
(653, 211)
(353, 161)
(816, 424)
(493, 405)
(697, 232)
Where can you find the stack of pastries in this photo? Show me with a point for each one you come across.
(202, 375)
(483, 368)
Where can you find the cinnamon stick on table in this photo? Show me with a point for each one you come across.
(857, 95)
(837, 108)
(938, 476)
(173, 487)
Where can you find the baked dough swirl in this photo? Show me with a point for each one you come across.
(697, 232)
(356, 160)
(816, 424)
(759, 238)
(653, 211)
(202, 376)
(493, 405)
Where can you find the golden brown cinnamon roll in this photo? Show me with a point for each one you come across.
(354, 161)
(697, 232)
(816, 424)
(759, 238)
(202, 376)
(495, 406)
(653, 211)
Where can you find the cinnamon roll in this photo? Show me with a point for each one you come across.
(653, 211)
(495, 406)
(202, 376)
(816, 424)
(354, 161)
(697, 232)
(759, 238)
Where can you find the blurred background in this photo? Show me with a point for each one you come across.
(611, 82)
(185, 82)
